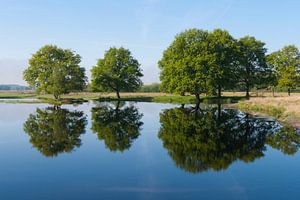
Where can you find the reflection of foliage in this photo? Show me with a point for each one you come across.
(55, 130)
(118, 127)
(285, 140)
(213, 139)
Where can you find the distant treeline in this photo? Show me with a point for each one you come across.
(154, 87)
(14, 87)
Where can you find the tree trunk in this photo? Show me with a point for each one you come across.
(289, 91)
(117, 105)
(273, 91)
(219, 91)
(247, 92)
(219, 110)
(56, 96)
(197, 102)
(197, 107)
(118, 94)
(197, 98)
(56, 107)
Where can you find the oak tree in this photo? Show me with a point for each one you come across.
(252, 60)
(117, 71)
(184, 64)
(53, 70)
(286, 64)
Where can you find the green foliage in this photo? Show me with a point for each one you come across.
(117, 71)
(198, 61)
(286, 140)
(118, 127)
(154, 87)
(286, 64)
(205, 139)
(55, 71)
(273, 111)
(222, 61)
(55, 130)
(184, 63)
(254, 70)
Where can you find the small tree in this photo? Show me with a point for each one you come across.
(253, 67)
(286, 63)
(56, 71)
(117, 71)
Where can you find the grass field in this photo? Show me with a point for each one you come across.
(284, 108)
(137, 96)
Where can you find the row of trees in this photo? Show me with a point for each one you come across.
(196, 62)
(213, 138)
(199, 61)
(57, 71)
(197, 140)
(55, 130)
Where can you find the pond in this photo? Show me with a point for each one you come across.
(126, 150)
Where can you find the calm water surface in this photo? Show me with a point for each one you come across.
(144, 151)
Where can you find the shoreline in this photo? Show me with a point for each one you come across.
(283, 108)
(276, 109)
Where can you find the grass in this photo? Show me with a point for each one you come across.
(283, 108)
(16, 95)
(137, 96)
(269, 110)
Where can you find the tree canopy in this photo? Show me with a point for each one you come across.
(198, 61)
(222, 61)
(55, 130)
(117, 71)
(253, 70)
(184, 64)
(286, 65)
(117, 126)
(213, 138)
(56, 71)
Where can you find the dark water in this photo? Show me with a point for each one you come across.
(144, 151)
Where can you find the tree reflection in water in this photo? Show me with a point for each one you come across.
(118, 125)
(55, 130)
(213, 138)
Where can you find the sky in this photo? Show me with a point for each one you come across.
(146, 27)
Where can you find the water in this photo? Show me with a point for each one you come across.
(144, 151)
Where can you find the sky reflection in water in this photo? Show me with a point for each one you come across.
(144, 151)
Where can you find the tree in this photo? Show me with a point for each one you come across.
(222, 72)
(117, 71)
(213, 138)
(184, 64)
(55, 130)
(286, 64)
(118, 127)
(56, 71)
(253, 67)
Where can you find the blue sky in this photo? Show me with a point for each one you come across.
(146, 27)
